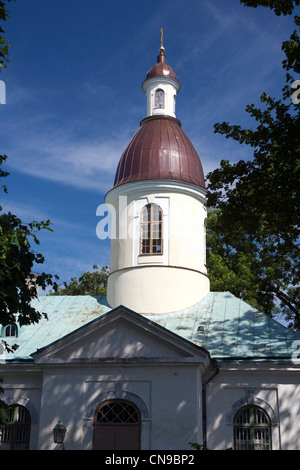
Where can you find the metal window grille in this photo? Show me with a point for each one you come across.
(15, 435)
(118, 412)
(252, 429)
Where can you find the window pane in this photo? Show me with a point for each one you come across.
(151, 230)
(117, 412)
(156, 213)
(156, 246)
(10, 330)
(244, 416)
(159, 99)
(156, 231)
(260, 417)
(146, 214)
(145, 248)
(243, 441)
(261, 439)
(145, 231)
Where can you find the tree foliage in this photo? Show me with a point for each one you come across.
(257, 201)
(89, 283)
(18, 283)
(249, 268)
(280, 7)
(4, 44)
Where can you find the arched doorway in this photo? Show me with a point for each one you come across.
(16, 434)
(117, 426)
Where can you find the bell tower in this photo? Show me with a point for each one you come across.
(161, 87)
(158, 199)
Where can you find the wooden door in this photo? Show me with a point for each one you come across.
(117, 426)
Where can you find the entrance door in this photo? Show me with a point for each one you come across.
(117, 426)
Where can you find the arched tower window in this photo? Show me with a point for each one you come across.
(16, 434)
(117, 426)
(159, 102)
(252, 429)
(151, 242)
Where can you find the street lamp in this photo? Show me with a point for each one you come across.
(59, 432)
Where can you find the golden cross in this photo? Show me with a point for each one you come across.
(161, 38)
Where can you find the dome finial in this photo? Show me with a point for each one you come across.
(161, 49)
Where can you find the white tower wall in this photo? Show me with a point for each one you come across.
(169, 87)
(158, 283)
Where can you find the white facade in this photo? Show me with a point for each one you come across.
(120, 357)
(274, 388)
(182, 395)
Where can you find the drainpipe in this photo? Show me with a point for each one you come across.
(204, 411)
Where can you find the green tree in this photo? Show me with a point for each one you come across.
(4, 44)
(280, 7)
(258, 200)
(89, 283)
(18, 283)
(245, 266)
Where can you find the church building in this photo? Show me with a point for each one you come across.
(161, 361)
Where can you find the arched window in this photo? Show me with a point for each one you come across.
(117, 426)
(252, 429)
(10, 330)
(16, 434)
(151, 242)
(159, 99)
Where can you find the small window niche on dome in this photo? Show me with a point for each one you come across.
(10, 330)
(159, 102)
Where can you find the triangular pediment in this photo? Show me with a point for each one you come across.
(120, 335)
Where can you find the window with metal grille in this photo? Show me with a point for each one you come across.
(159, 99)
(15, 435)
(117, 412)
(252, 429)
(151, 242)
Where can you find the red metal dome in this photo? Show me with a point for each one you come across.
(161, 69)
(160, 150)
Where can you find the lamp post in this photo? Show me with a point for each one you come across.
(59, 432)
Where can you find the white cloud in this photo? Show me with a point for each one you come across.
(64, 160)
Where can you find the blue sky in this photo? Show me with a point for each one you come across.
(74, 100)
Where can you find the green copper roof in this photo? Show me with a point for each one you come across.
(226, 326)
(231, 329)
(64, 315)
